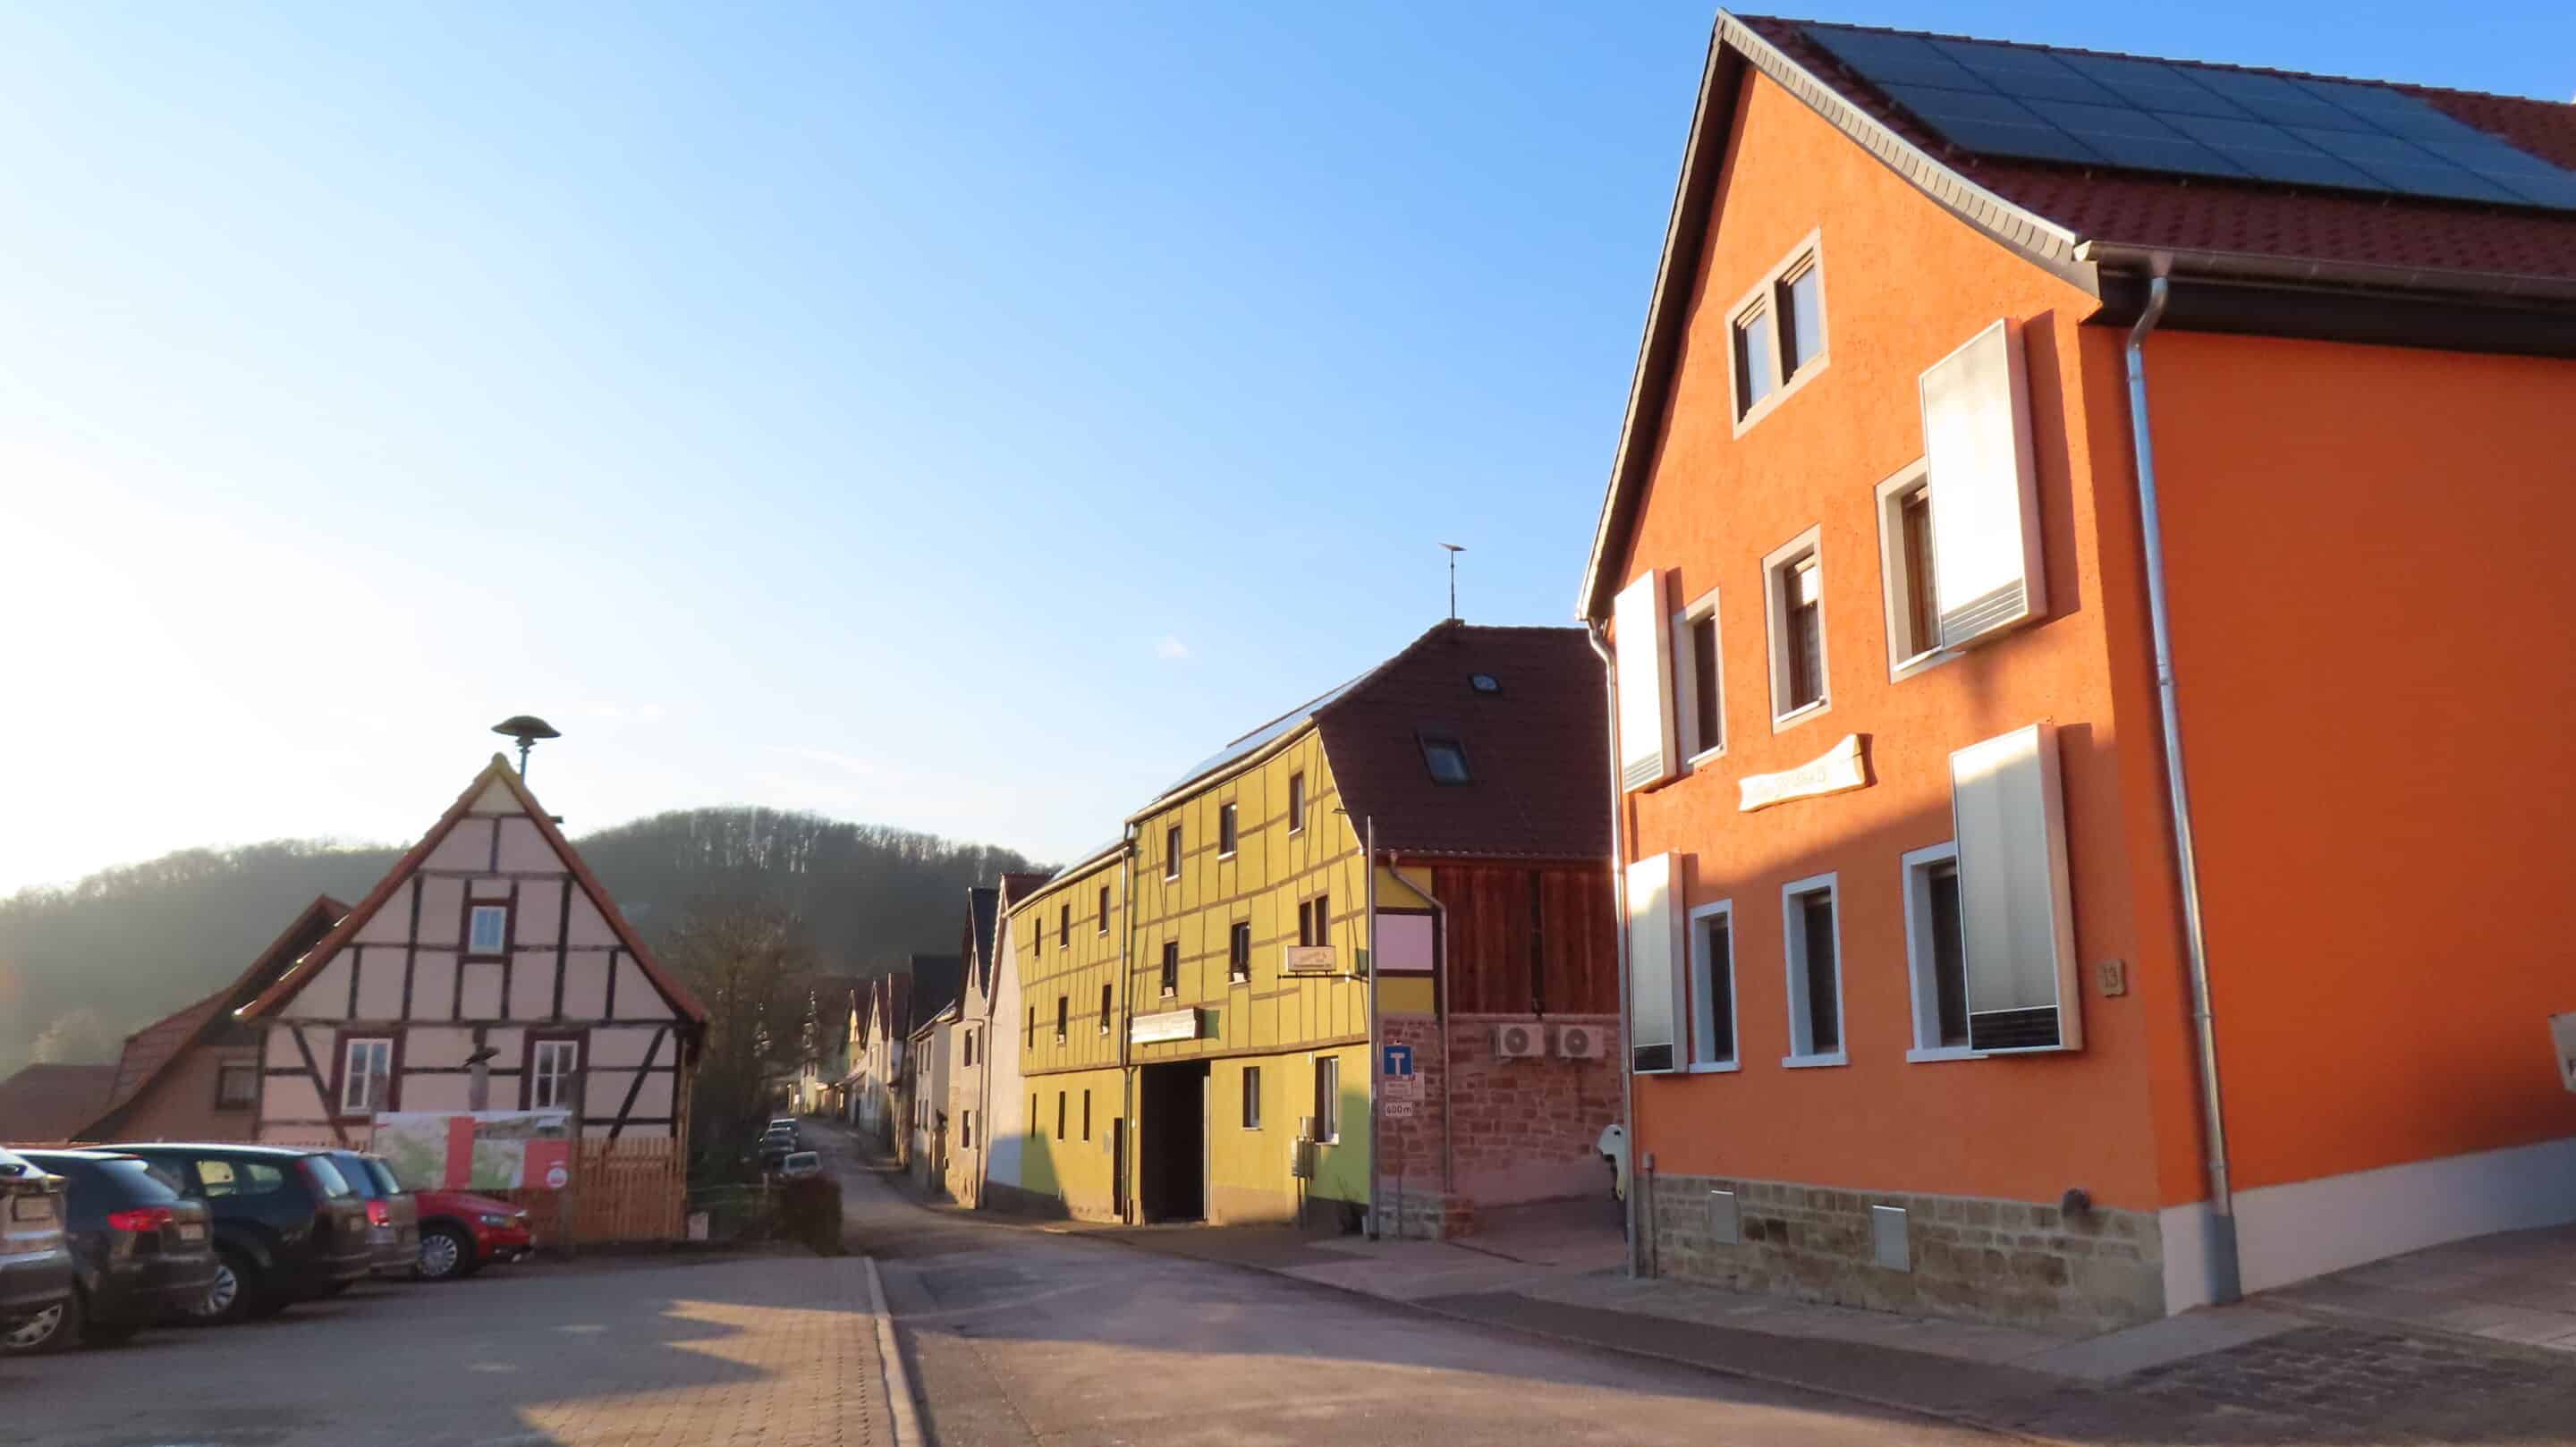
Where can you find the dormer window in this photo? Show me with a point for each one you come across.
(1447, 759)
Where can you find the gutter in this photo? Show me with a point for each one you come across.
(1594, 634)
(2242, 266)
(2225, 1281)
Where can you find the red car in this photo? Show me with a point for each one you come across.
(461, 1233)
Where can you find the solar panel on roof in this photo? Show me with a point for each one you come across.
(2035, 103)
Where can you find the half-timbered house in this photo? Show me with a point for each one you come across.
(487, 971)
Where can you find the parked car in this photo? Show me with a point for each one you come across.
(140, 1249)
(288, 1226)
(35, 1259)
(461, 1233)
(774, 1154)
(801, 1164)
(393, 1215)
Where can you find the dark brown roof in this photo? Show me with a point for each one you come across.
(2201, 213)
(498, 771)
(150, 1050)
(1538, 748)
(52, 1102)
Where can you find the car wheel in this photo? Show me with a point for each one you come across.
(52, 1330)
(234, 1293)
(445, 1254)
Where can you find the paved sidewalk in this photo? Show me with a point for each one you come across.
(2249, 1374)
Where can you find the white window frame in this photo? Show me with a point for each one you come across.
(1764, 296)
(1776, 619)
(537, 1077)
(1794, 951)
(1228, 821)
(1695, 750)
(473, 916)
(1921, 987)
(1704, 985)
(1328, 1126)
(349, 1049)
(1895, 572)
(1248, 1111)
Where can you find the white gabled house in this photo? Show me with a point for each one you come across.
(487, 971)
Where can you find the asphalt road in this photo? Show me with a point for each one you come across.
(1020, 1336)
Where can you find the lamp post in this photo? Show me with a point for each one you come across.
(527, 728)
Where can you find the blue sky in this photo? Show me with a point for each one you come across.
(961, 418)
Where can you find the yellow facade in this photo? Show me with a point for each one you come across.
(1264, 1017)
(1066, 943)
(1264, 1020)
(1066, 1152)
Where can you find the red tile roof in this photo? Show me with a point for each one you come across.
(150, 1050)
(45, 1103)
(1538, 749)
(2254, 218)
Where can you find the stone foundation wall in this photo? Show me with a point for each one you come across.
(2014, 1262)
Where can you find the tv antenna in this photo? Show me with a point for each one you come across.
(1454, 551)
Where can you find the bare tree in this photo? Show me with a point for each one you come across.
(748, 961)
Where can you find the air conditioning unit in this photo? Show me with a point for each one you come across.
(1520, 1042)
(1580, 1042)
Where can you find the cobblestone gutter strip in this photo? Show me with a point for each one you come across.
(900, 1407)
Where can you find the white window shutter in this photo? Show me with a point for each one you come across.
(1985, 497)
(1646, 753)
(1655, 956)
(2015, 911)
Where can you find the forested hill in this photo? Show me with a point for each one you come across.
(120, 949)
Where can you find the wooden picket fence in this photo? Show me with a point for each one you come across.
(629, 1189)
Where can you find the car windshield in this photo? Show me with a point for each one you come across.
(328, 1177)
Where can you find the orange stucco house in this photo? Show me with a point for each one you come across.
(1944, 996)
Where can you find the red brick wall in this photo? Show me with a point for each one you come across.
(1524, 1130)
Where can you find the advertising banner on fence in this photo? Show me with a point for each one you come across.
(491, 1150)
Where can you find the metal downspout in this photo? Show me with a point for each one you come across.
(1375, 1228)
(1128, 1135)
(1619, 906)
(2225, 1282)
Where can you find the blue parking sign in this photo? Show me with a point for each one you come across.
(1399, 1061)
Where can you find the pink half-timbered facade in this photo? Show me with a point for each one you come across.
(487, 971)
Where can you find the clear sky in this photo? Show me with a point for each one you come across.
(957, 417)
